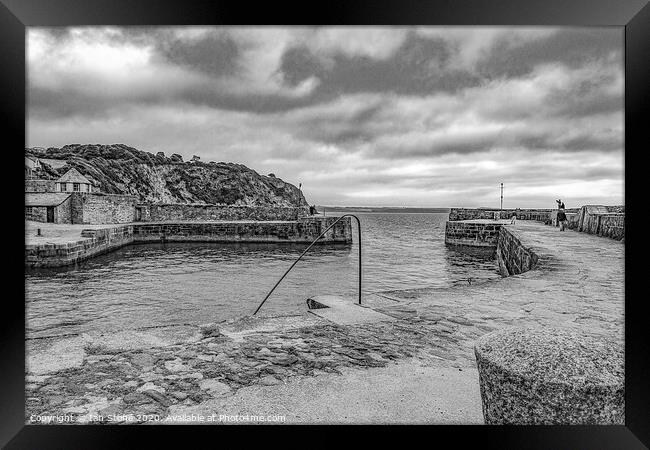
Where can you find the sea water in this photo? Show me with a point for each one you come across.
(148, 285)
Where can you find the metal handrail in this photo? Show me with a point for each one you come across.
(310, 246)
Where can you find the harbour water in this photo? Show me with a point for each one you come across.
(194, 283)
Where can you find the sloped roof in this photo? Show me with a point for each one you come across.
(72, 176)
(45, 198)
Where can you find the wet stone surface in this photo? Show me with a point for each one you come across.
(149, 381)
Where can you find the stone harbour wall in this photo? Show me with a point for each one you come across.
(474, 234)
(607, 221)
(542, 215)
(512, 256)
(98, 241)
(571, 215)
(612, 226)
(93, 243)
(573, 220)
(304, 230)
(200, 212)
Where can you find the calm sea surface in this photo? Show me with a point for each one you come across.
(161, 284)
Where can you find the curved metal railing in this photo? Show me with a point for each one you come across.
(310, 246)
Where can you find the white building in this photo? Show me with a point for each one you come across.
(31, 164)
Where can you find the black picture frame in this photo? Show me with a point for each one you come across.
(633, 15)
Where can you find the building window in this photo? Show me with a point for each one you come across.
(29, 210)
(63, 187)
(75, 187)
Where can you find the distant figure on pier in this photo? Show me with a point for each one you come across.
(560, 204)
(312, 210)
(561, 219)
(513, 219)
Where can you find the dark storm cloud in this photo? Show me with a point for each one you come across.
(206, 68)
(341, 128)
(418, 67)
(582, 142)
(215, 54)
(419, 147)
(596, 101)
(571, 47)
(386, 113)
(298, 64)
(65, 102)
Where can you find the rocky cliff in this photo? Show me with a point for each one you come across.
(120, 169)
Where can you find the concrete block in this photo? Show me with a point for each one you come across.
(550, 376)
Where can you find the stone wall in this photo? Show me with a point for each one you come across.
(314, 227)
(542, 215)
(174, 212)
(142, 212)
(99, 208)
(63, 212)
(571, 215)
(93, 243)
(303, 230)
(474, 234)
(573, 220)
(512, 256)
(607, 221)
(98, 241)
(612, 226)
(36, 185)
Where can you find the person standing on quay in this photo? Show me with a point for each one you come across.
(561, 219)
(560, 205)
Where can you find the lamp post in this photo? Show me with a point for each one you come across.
(501, 196)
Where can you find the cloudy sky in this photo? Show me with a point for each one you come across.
(433, 116)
